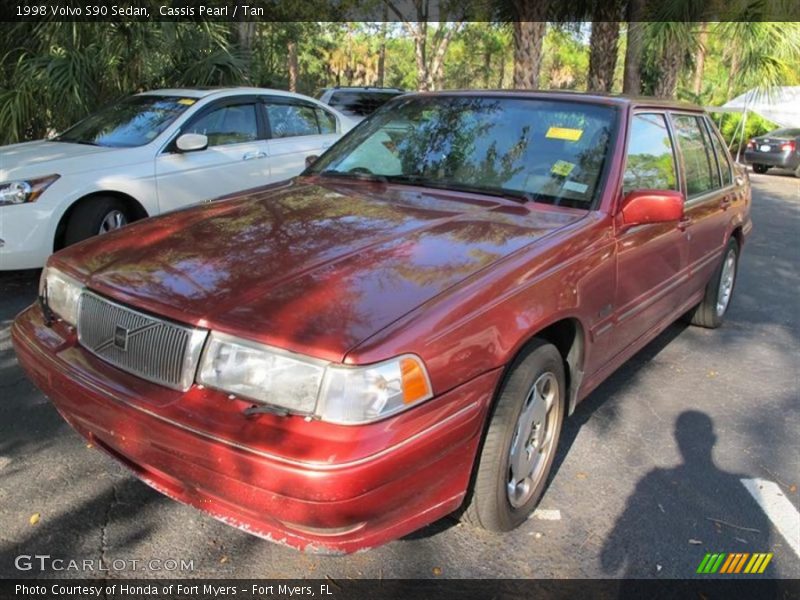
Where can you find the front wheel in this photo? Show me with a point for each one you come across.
(719, 291)
(95, 216)
(760, 168)
(521, 441)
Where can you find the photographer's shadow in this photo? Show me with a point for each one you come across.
(675, 516)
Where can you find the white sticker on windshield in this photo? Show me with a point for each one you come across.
(574, 186)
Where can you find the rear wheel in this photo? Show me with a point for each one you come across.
(521, 441)
(760, 168)
(95, 216)
(719, 291)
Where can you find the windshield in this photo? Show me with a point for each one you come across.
(133, 122)
(530, 149)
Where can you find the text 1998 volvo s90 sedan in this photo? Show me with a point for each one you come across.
(400, 332)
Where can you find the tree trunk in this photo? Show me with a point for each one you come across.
(604, 44)
(487, 67)
(700, 59)
(292, 51)
(632, 76)
(528, 38)
(669, 69)
(441, 43)
(382, 51)
(502, 75)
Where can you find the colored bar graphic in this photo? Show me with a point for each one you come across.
(733, 563)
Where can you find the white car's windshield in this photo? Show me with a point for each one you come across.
(542, 150)
(133, 122)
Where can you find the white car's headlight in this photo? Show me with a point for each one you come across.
(61, 293)
(24, 190)
(303, 385)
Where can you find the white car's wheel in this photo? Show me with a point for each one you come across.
(95, 216)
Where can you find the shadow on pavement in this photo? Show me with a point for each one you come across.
(696, 508)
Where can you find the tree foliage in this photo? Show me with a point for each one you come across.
(54, 73)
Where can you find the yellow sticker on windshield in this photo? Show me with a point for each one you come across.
(187, 101)
(564, 133)
(562, 168)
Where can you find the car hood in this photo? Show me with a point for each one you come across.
(36, 159)
(310, 267)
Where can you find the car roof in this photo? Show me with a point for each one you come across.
(566, 95)
(203, 92)
(362, 88)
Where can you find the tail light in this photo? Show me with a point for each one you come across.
(751, 144)
(788, 146)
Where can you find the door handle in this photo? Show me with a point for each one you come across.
(684, 223)
(726, 202)
(252, 155)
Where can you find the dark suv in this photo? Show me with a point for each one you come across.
(357, 102)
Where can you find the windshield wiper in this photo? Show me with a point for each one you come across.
(516, 196)
(358, 176)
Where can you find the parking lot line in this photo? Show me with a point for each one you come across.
(778, 508)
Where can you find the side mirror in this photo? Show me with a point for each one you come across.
(641, 207)
(311, 159)
(191, 142)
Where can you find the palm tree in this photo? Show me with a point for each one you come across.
(529, 21)
(53, 73)
(764, 55)
(632, 78)
(604, 45)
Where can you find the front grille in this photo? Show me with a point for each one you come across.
(157, 350)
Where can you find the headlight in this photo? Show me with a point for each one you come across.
(22, 191)
(264, 374)
(62, 293)
(302, 385)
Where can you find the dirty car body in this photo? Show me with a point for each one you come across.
(319, 362)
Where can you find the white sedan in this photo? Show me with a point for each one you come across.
(148, 154)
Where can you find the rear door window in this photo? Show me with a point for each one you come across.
(651, 159)
(292, 120)
(327, 122)
(698, 157)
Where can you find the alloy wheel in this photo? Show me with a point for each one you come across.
(533, 439)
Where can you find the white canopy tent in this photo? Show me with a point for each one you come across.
(780, 105)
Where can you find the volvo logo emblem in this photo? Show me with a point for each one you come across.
(121, 338)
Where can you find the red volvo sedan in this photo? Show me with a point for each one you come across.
(400, 332)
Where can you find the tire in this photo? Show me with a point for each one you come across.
(491, 506)
(760, 169)
(92, 216)
(711, 310)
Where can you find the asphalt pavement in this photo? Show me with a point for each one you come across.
(648, 478)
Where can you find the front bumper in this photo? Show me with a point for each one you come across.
(27, 241)
(313, 486)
